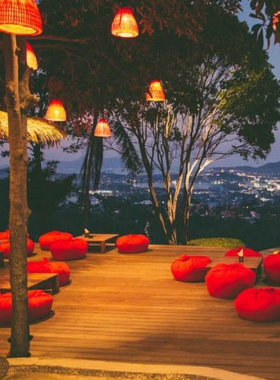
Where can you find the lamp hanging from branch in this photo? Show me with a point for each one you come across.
(124, 24)
(31, 59)
(55, 111)
(156, 92)
(102, 129)
(275, 20)
(21, 17)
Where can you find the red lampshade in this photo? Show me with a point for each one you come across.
(102, 129)
(20, 17)
(31, 59)
(124, 24)
(155, 93)
(56, 111)
(275, 20)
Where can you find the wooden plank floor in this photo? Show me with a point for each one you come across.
(128, 308)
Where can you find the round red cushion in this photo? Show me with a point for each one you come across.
(190, 268)
(45, 266)
(5, 248)
(228, 280)
(271, 266)
(46, 240)
(132, 243)
(69, 250)
(259, 305)
(247, 252)
(5, 235)
(39, 306)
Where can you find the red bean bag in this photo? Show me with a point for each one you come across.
(5, 248)
(134, 243)
(190, 268)
(69, 250)
(271, 266)
(228, 280)
(46, 240)
(259, 305)
(46, 266)
(5, 235)
(247, 252)
(39, 306)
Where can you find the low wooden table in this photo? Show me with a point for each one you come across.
(102, 239)
(34, 281)
(254, 263)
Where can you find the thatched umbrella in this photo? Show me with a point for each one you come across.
(39, 131)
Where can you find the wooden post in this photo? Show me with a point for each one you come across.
(18, 201)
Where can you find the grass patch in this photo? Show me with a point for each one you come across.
(217, 242)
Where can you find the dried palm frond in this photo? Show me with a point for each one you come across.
(39, 131)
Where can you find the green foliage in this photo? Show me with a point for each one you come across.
(45, 191)
(217, 242)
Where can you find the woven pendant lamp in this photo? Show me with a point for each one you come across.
(55, 111)
(102, 129)
(31, 59)
(275, 20)
(124, 24)
(156, 92)
(21, 17)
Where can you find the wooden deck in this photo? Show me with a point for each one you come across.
(128, 308)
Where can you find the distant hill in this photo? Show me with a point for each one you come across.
(271, 167)
(114, 165)
(109, 164)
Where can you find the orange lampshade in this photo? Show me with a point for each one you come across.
(20, 17)
(124, 24)
(31, 59)
(56, 111)
(275, 20)
(102, 129)
(155, 93)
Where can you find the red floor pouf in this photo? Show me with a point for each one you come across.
(271, 266)
(69, 250)
(5, 248)
(5, 235)
(39, 306)
(259, 305)
(46, 266)
(228, 280)
(133, 243)
(47, 239)
(190, 268)
(247, 252)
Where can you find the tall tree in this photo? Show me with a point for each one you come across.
(218, 106)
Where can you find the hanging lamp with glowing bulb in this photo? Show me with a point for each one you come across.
(156, 92)
(124, 24)
(21, 17)
(102, 129)
(275, 20)
(31, 59)
(55, 111)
